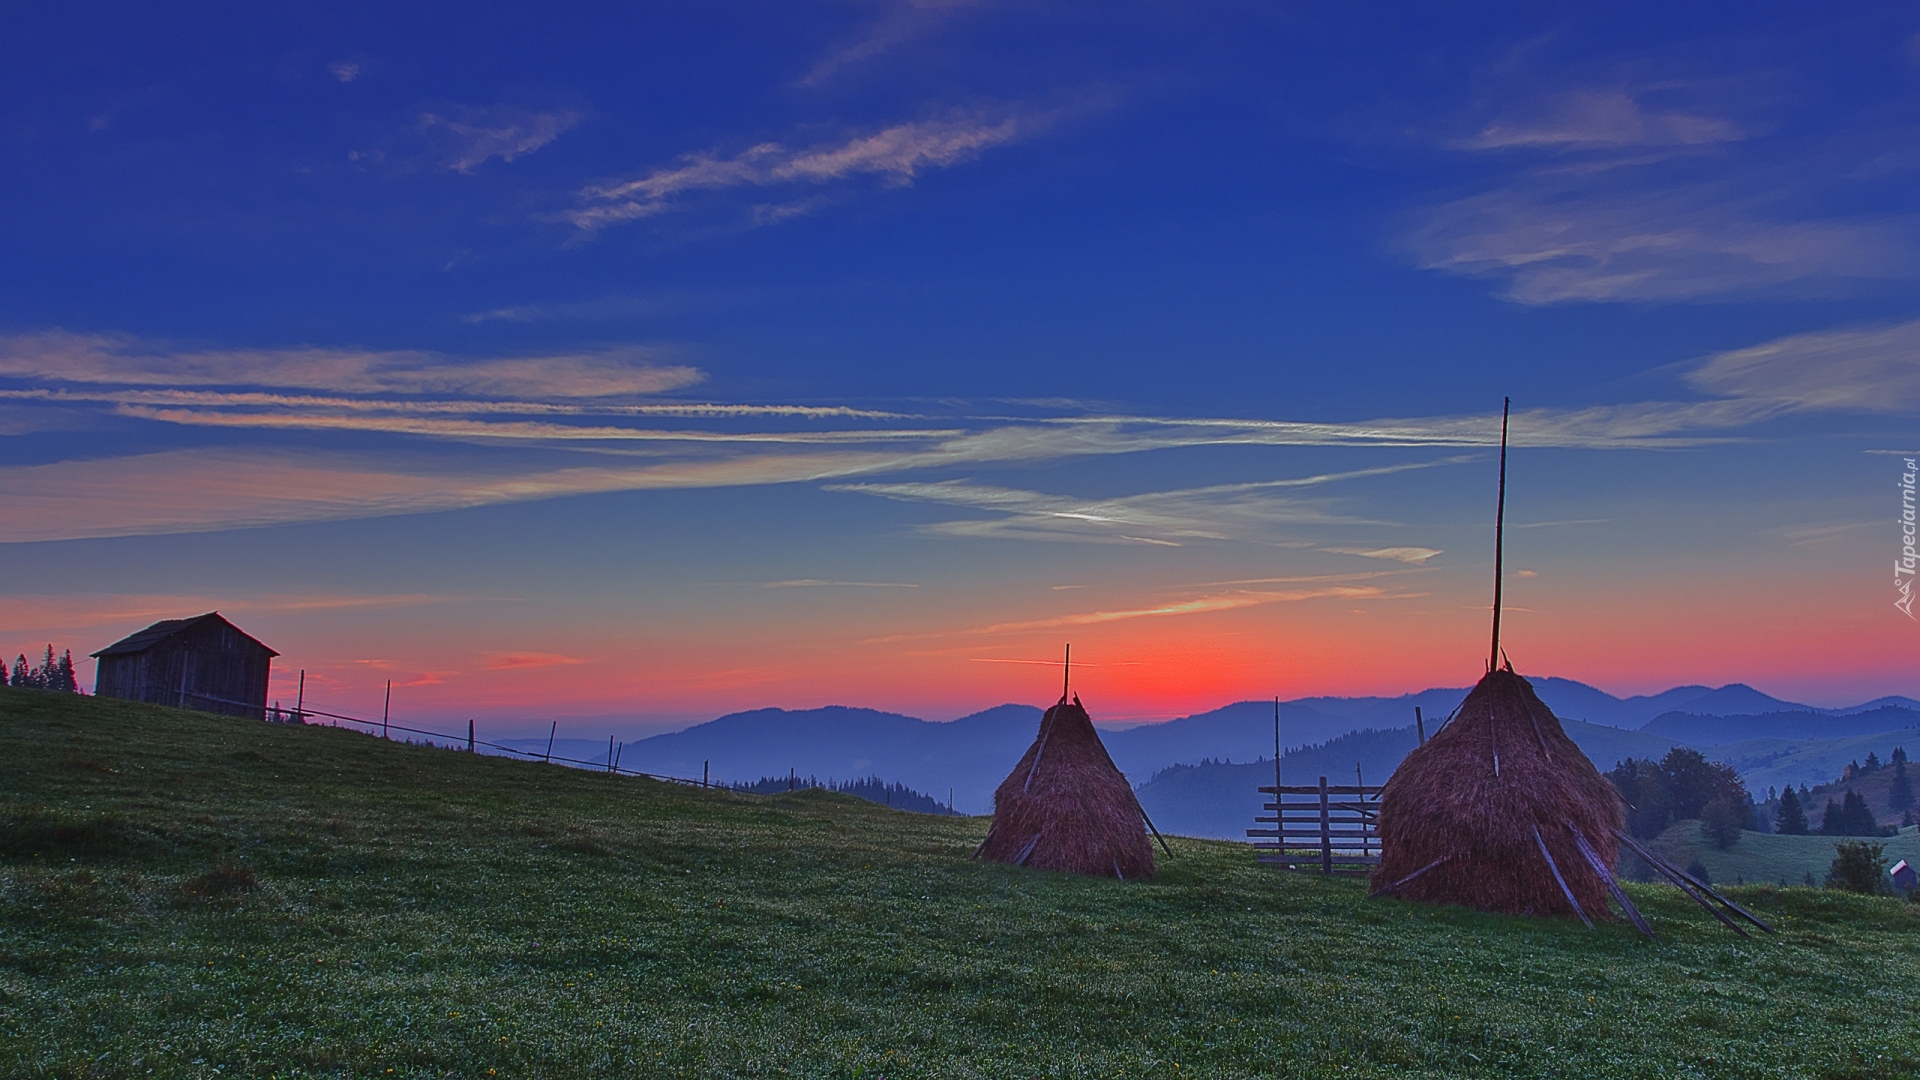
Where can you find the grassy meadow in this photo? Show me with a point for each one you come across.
(185, 895)
(1771, 857)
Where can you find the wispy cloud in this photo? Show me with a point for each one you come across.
(895, 155)
(900, 22)
(1248, 511)
(1414, 556)
(582, 436)
(1867, 370)
(1553, 242)
(1611, 197)
(515, 661)
(61, 357)
(1324, 588)
(1601, 118)
(819, 583)
(470, 137)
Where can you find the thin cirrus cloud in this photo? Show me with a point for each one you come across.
(896, 155)
(1555, 241)
(900, 22)
(1875, 369)
(515, 661)
(1864, 370)
(1619, 201)
(1247, 512)
(467, 138)
(1413, 556)
(61, 357)
(1608, 119)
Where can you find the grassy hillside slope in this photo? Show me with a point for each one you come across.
(425, 913)
(1770, 857)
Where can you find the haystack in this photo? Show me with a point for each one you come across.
(1500, 811)
(1066, 807)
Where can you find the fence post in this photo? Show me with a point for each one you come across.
(300, 703)
(704, 766)
(469, 736)
(550, 733)
(1326, 832)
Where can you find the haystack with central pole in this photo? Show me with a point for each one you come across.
(1066, 806)
(1500, 811)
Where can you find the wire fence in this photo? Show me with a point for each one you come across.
(471, 744)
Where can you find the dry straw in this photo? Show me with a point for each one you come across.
(1067, 807)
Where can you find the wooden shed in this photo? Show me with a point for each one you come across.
(204, 663)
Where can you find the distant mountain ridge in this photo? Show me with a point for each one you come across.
(971, 755)
(1697, 729)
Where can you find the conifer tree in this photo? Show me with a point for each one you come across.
(1900, 791)
(68, 681)
(1790, 818)
(21, 676)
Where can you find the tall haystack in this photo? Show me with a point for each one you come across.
(1500, 811)
(1066, 807)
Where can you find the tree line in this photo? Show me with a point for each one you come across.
(1684, 785)
(51, 674)
(1851, 816)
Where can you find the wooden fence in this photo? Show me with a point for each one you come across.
(1332, 828)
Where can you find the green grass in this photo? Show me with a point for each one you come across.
(424, 913)
(1771, 857)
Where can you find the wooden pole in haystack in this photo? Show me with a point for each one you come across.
(1499, 535)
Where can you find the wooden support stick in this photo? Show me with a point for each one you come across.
(1613, 884)
(1408, 880)
(1156, 833)
(1565, 890)
(1701, 885)
(1021, 859)
(1673, 874)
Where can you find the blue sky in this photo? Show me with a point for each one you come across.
(551, 360)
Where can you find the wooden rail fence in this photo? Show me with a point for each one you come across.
(1332, 828)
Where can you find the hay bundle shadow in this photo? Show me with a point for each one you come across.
(1500, 811)
(1067, 807)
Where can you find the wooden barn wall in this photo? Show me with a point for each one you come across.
(212, 668)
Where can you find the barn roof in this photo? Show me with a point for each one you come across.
(166, 628)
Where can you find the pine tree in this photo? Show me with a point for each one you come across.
(1900, 791)
(1790, 818)
(1872, 762)
(20, 675)
(68, 682)
(1899, 755)
(1851, 818)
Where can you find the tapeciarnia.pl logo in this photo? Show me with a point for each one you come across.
(1903, 567)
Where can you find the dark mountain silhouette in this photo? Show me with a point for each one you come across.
(1701, 730)
(971, 754)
